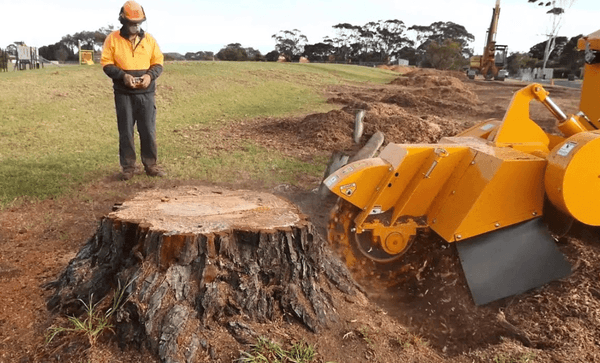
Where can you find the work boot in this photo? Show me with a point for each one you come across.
(126, 175)
(155, 171)
(139, 170)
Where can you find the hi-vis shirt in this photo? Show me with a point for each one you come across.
(120, 56)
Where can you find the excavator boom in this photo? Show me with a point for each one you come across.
(487, 64)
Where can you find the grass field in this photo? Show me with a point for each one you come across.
(58, 125)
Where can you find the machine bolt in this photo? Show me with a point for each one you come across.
(497, 225)
(534, 214)
(458, 236)
(353, 230)
(390, 169)
(473, 162)
(454, 192)
(434, 220)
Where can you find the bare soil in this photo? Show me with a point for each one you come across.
(417, 310)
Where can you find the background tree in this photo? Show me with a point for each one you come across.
(445, 55)
(517, 61)
(290, 43)
(389, 38)
(272, 56)
(346, 35)
(409, 53)
(556, 10)
(253, 54)
(69, 42)
(318, 52)
(57, 51)
(373, 42)
(200, 55)
(570, 57)
(63, 54)
(439, 32)
(539, 50)
(92, 40)
(67, 47)
(233, 52)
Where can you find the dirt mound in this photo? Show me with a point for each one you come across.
(407, 128)
(422, 108)
(325, 132)
(430, 80)
(446, 86)
(436, 72)
(440, 102)
(327, 129)
(397, 68)
(440, 93)
(334, 130)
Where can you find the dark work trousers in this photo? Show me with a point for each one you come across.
(131, 109)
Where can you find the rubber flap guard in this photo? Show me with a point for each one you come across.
(511, 261)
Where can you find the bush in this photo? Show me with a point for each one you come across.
(272, 56)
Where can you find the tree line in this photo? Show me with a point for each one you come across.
(442, 45)
(67, 49)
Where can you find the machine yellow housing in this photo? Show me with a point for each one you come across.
(484, 189)
(488, 177)
(573, 177)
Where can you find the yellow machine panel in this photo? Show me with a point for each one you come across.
(572, 178)
(499, 188)
(517, 129)
(484, 130)
(590, 92)
(369, 172)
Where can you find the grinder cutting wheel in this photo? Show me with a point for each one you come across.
(483, 189)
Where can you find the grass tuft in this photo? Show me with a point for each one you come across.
(94, 322)
(267, 351)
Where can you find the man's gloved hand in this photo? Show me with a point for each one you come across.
(129, 80)
(146, 79)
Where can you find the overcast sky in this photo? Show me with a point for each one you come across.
(188, 26)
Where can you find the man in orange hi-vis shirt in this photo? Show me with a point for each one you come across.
(132, 58)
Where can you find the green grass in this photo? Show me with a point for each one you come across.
(267, 351)
(94, 322)
(58, 125)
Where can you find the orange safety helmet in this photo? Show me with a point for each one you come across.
(132, 12)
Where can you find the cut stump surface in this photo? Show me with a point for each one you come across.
(209, 210)
(204, 263)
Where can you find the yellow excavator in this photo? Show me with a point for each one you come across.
(494, 59)
(484, 189)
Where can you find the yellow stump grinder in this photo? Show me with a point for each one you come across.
(483, 189)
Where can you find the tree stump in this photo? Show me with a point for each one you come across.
(199, 262)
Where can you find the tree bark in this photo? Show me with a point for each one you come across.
(197, 259)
